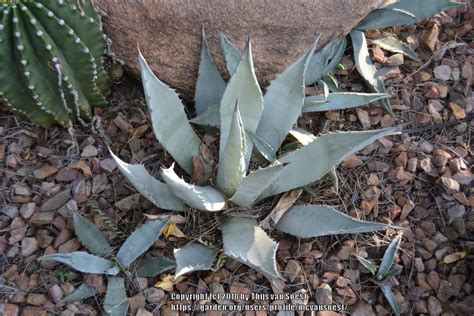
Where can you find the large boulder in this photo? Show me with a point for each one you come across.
(168, 32)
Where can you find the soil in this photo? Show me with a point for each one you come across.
(420, 180)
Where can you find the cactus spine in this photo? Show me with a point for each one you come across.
(51, 60)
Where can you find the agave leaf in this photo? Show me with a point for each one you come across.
(231, 54)
(340, 100)
(91, 236)
(116, 301)
(394, 271)
(232, 165)
(82, 292)
(194, 257)
(202, 198)
(405, 12)
(302, 135)
(210, 117)
(305, 137)
(365, 67)
(325, 90)
(84, 262)
(335, 180)
(385, 17)
(263, 147)
(170, 123)
(325, 60)
(254, 184)
(394, 45)
(242, 89)
(154, 190)
(389, 257)
(331, 82)
(244, 241)
(308, 164)
(209, 86)
(368, 265)
(140, 240)
(150, 267)
(388, 293)
(283, 101)
(423, 9)
(320, 220)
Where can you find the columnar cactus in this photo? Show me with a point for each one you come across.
(51, 60)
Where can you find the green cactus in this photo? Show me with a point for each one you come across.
(51, 60)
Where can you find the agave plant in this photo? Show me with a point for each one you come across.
(51, 60)
(386, 270)
(391, 13)
(115, 302)
(248, 122)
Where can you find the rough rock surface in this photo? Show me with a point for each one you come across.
(168, 32)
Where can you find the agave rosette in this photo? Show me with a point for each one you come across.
(249, 122)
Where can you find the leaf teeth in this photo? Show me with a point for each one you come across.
(194, 257)
(203, 198)
(246, 242)
(300, 221)
(283, 102)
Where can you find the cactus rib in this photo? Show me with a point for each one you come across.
(13, 90)
(53, 51)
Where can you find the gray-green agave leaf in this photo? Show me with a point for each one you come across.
(388, 293)
(368, 265)
(116, 301)
(170, 123)
(203, 198)
(91, 236)
(210, 117)
(194, 257)
(231, 54)
(209, 86)
(319, 220)
(139, 241)
(310, 163)
(302, 135)
(389, 257)
(154, 190)
(283, 102)
(84, 262)
(244, 241)
(325, 60)
(340, 100)
(334, 178)
(150, 267)
(405, 12)
(242, 89)
(366, 68)
(394, 45)
(262, 147)
(253, 184)
(82, 292)
(385, 17)
(232, 164)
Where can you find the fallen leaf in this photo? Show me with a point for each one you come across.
(175, 219)
(286, 201)
(173, 230)
(82, 165)
(458, 112)
(140, 130)
(454, 257)
(203, 165)
(167, 282)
